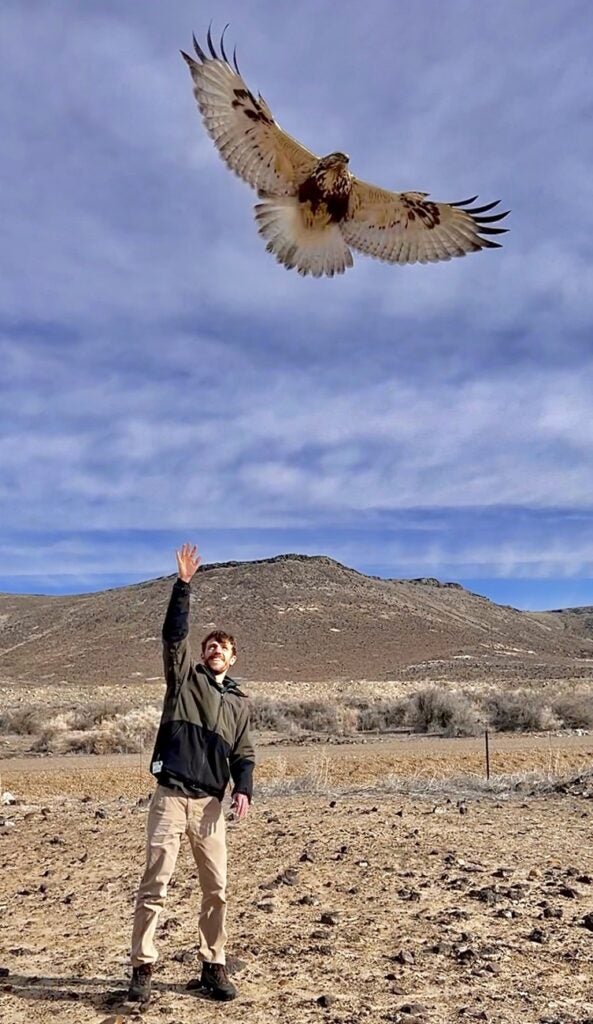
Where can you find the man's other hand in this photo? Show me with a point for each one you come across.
(188, 562)
(240, 806)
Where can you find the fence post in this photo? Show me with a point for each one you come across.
(487, 742)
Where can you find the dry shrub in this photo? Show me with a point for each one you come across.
(289, 716)
(128, 733)
(125, 733)
(54, 732)
(519, 711)
(436, 710)
(315, 715)
(269, 715)
(575, 710)
(382, 715)
(22, 722)
(87, 716)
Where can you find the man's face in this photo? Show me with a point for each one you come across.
(218, 656)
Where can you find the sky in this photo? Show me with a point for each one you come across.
(162, 378)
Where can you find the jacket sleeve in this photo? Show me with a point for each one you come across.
(176, 649)
(242, 759)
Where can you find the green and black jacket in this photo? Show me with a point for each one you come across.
(203, 736)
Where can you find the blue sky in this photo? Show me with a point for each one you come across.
(161, 377)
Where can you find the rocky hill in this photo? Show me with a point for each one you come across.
(294, 617)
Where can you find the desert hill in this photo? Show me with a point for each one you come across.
(295, 617)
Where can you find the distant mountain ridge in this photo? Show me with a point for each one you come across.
(295, 617)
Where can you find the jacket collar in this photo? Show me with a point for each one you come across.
(228, 684)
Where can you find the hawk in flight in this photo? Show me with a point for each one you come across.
(313, 210)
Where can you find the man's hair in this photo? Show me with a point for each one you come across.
(222, 637)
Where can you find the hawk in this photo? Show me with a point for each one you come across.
(313, 209)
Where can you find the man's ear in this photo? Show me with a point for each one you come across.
(233, 659)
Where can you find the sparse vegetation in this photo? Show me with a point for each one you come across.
(575, 710)
(519, 711)
(381, 716)
(99, 731)
(437, 710)
(290, 716)
(22, 722)
(124, 726)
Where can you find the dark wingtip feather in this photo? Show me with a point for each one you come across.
(199, 50)
(492, 219)
(464, 202)
(492, 231)
(188, 60)
(224, 56)
(485, 208)
(210, 43)
(235, 61)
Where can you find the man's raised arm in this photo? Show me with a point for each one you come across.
(176, 653)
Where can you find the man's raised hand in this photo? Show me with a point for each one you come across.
(188, 562)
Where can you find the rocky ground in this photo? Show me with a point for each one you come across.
(342, 907)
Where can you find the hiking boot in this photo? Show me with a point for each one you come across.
(139, 990)
(215, 980)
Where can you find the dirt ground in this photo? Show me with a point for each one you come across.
(439, 910)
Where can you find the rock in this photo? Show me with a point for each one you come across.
(568, 892)
(329, 918)
(551, 912)
(8, 798)
(185, 956)
(409, 895)
(307, 857)
(4, 972)
(464, 954)
(413, 1009)
(325, 1001)
(288, 877)
(488, 894)
(267, 908)
(405, 956)
(538, 935)
(308, 900)
(100, 813)
(588, 922)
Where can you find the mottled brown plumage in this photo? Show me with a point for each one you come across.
(314, 209)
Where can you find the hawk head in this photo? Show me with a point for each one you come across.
(338, 160)
(332, 176)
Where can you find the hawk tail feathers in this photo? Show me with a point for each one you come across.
(318, 249)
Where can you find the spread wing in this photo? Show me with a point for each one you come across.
(243, 128)
(405, 227)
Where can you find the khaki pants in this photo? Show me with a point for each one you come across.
(170, 816)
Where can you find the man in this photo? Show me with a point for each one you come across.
(202, 738)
